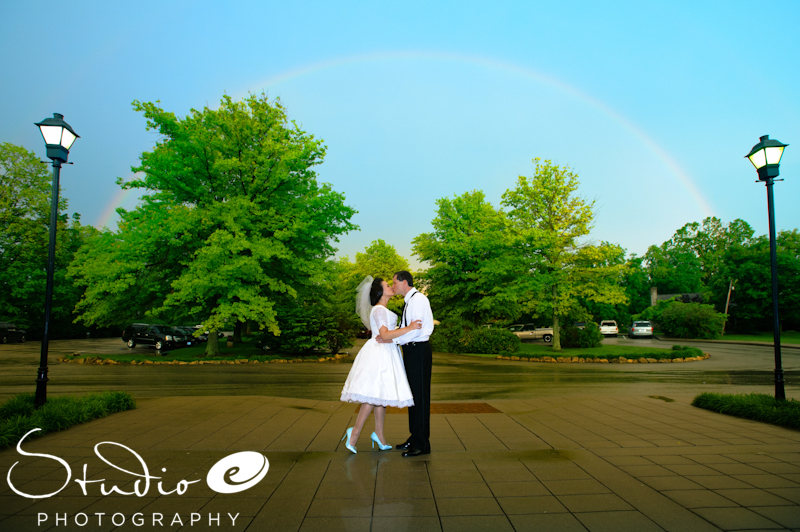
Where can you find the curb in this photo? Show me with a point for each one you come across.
(97, 361)
(593, 360)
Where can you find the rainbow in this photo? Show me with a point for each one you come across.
(524, 72)
(485, 62)
(110, 210)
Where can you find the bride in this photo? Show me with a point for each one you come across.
(378, 377)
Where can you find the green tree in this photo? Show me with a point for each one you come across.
(674, 270)
(749, 265)
(234, 193)
(637, 286)
(693, 259)
(472, 264)
(709, 240)
(548, 220)
(631, 280)
(378, 259)
(126, 274)
(25, 188)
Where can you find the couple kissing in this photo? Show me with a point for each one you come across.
(384, 376)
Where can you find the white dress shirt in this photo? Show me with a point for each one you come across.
(417, 308)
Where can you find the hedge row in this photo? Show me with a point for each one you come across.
(677, 354)
(19, 415)
(757, 407)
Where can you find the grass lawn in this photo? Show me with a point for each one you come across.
(541, 349)
(610, 352)
(787, 337)
(239, 351)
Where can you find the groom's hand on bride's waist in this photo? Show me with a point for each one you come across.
(382, 340)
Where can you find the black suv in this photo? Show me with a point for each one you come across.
(159, 336)
(11, 333)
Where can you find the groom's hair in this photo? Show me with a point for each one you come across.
(403, 275)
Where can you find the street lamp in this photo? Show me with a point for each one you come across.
(58, 136)
(766, 157)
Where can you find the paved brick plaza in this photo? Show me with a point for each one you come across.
(618, 462)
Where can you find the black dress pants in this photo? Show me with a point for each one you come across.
(418, 360)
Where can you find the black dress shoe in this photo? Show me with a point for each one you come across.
(415, 452)
(404, 446)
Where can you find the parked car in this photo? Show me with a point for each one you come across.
(190, 330)
(162, 337)
(11, 333)
(642, 329)
(529, 331)
(609, 328)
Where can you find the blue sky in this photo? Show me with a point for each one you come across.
(652, 104)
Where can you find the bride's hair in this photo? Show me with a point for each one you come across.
(376, 291)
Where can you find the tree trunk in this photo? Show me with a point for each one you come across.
(556, 328)
(212, 346)
(556, 334)
(237, 332)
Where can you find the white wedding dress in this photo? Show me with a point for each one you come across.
(378, 376)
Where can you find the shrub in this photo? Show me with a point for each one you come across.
(589, 336)
(690, 320)
(18, 415)
(451, 335)
(491, 341)
(456, 335)
(308, 330)
(653, 314)
(758, 407)
(682, 351)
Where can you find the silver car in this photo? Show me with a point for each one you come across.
(641, 329)
(529, 331)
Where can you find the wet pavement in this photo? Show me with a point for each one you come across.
(516, 446)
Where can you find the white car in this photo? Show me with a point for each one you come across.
(641, 329)
(609, 328)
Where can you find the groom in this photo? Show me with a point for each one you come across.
(418, 360)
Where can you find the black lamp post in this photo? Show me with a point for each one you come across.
(59, 136)
(766, 157)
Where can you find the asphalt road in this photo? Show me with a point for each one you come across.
(732, 368)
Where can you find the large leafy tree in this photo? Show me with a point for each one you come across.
(378, 259)
(127, 274)
(749, 265)
(548, 221)
(234, 223)
(25, 188)
(637, 287)
(472, 264)
(692, 260)
(674, 270)
(609, 267)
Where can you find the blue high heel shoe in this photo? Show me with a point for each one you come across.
(346, 440)
(381, 446)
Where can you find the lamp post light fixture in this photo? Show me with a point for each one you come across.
(58, 136)
(766, 157)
